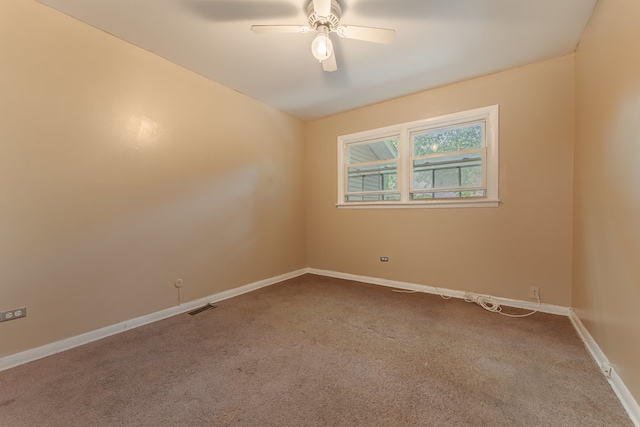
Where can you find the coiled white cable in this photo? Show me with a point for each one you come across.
(489, 304)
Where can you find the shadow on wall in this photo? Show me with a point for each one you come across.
(614, 230)
(200, 236)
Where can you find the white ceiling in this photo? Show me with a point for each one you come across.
(437, 42)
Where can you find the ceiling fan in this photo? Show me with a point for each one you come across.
(324, 18)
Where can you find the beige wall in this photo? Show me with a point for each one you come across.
(606, 284)
(120, 172)
(524, 242)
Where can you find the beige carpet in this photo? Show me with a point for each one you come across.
(314, 351)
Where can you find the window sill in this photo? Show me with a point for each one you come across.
(484, 203)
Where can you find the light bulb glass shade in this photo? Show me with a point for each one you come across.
(322, 47)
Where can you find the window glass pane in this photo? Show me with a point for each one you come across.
(449, 194)
(458, 170)
(471, 176)
(372, 197)
(448, 140)
(445, 178)
(373, 178)
(423, 179)
(473, 193)
(384, 149)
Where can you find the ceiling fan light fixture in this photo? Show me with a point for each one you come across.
(321, 47)
(323, 17)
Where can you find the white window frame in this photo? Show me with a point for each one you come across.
(487, 115)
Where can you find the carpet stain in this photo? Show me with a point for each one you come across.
(7, 402)
(228, 415)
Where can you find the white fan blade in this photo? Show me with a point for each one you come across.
(274, 29)
(322, 7)
(368, 34)
(329, 64)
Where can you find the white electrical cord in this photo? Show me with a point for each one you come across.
(403, 291)
(442, 296)
(489, 304)
(486, 302)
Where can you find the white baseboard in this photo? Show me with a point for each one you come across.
(544, 308)
(620, 389)
(610, 373)
(618, 386)
(78, 340)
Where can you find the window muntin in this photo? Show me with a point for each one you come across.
(445, 161)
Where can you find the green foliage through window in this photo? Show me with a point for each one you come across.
(448, 140)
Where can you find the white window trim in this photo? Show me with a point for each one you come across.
(488, 114)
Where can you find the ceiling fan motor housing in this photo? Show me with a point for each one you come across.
(331, 22)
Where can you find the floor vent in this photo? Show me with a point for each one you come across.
(201, 309)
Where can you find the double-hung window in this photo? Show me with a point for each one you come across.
(448, 161)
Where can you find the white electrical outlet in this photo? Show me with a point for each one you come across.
(534, 292)
(16, 313)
